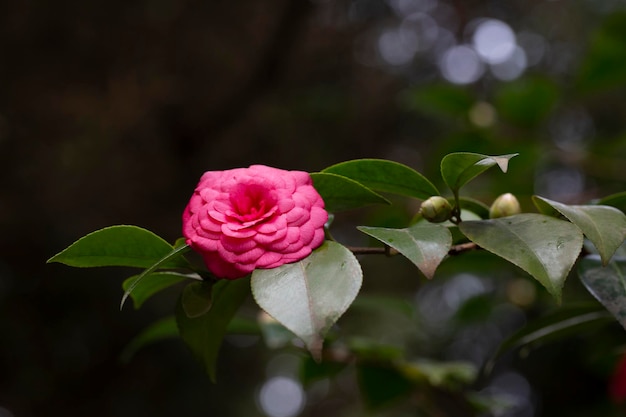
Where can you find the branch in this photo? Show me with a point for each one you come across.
(389, 251)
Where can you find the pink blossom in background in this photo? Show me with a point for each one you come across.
(257, 217)
(617, 383)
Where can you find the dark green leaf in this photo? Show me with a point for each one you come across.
(311, 371)
(424, 244)
(197, 298)
(543, 246)
(204, 334)
(308, 296)
(167, 328)
(165, 260)
(606, 283)
(457, 169)
(382, 386)
(379, 303)
(153, 283)
(605, 226)
(118, 246)
(386, 176)
(163, 329)
(341, 193)
(617, 200)
(564, 322)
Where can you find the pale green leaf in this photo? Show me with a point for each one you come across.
(118, 246)
(457, 169)
(204, 334)
(605, 226)
(153, 283)
(386, 176)
(543, 246)
(307, 297)
(606, 283)
(424, 244)
(342, 193)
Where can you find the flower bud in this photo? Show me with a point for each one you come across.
(436, 209)
(505, 205)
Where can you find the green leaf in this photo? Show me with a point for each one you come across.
(153, 283)
(606, 283)
(543, 246)
(457, 169)
(167, 328)
(308, 296)
(605, 226)
(163, 329)
(341, 193)
(450, 375)
(617, 200)
(564, 322)
(204, 334)
(424, 244)
(118, 246)
(386, 176)
(382, 386)
(311, 371)
(173, 254)
(197, 298)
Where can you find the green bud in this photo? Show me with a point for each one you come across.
(436, 209)
(505, 205)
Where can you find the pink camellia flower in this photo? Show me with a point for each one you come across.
(257, 217)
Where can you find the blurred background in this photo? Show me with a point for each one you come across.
(110, 112)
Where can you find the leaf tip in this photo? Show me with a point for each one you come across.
(315, 348)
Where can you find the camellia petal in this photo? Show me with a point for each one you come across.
(256, 217)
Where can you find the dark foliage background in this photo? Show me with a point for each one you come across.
(110, 111)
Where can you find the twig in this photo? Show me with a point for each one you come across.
(389, 251)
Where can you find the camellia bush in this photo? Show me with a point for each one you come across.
(269, 232)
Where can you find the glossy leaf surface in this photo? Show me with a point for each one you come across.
(424, 244)
(386, 176)
(307, 297)
(197, 298)
(118, 246)
(175, 253)
(457, 169)
(605, 226)
(153, 283)
(617, 200)
(160, 330)
(342, 193)
(204, 334)
(543, 246)
(562, 323)
(606, 283)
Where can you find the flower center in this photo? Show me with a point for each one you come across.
(251, 202)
